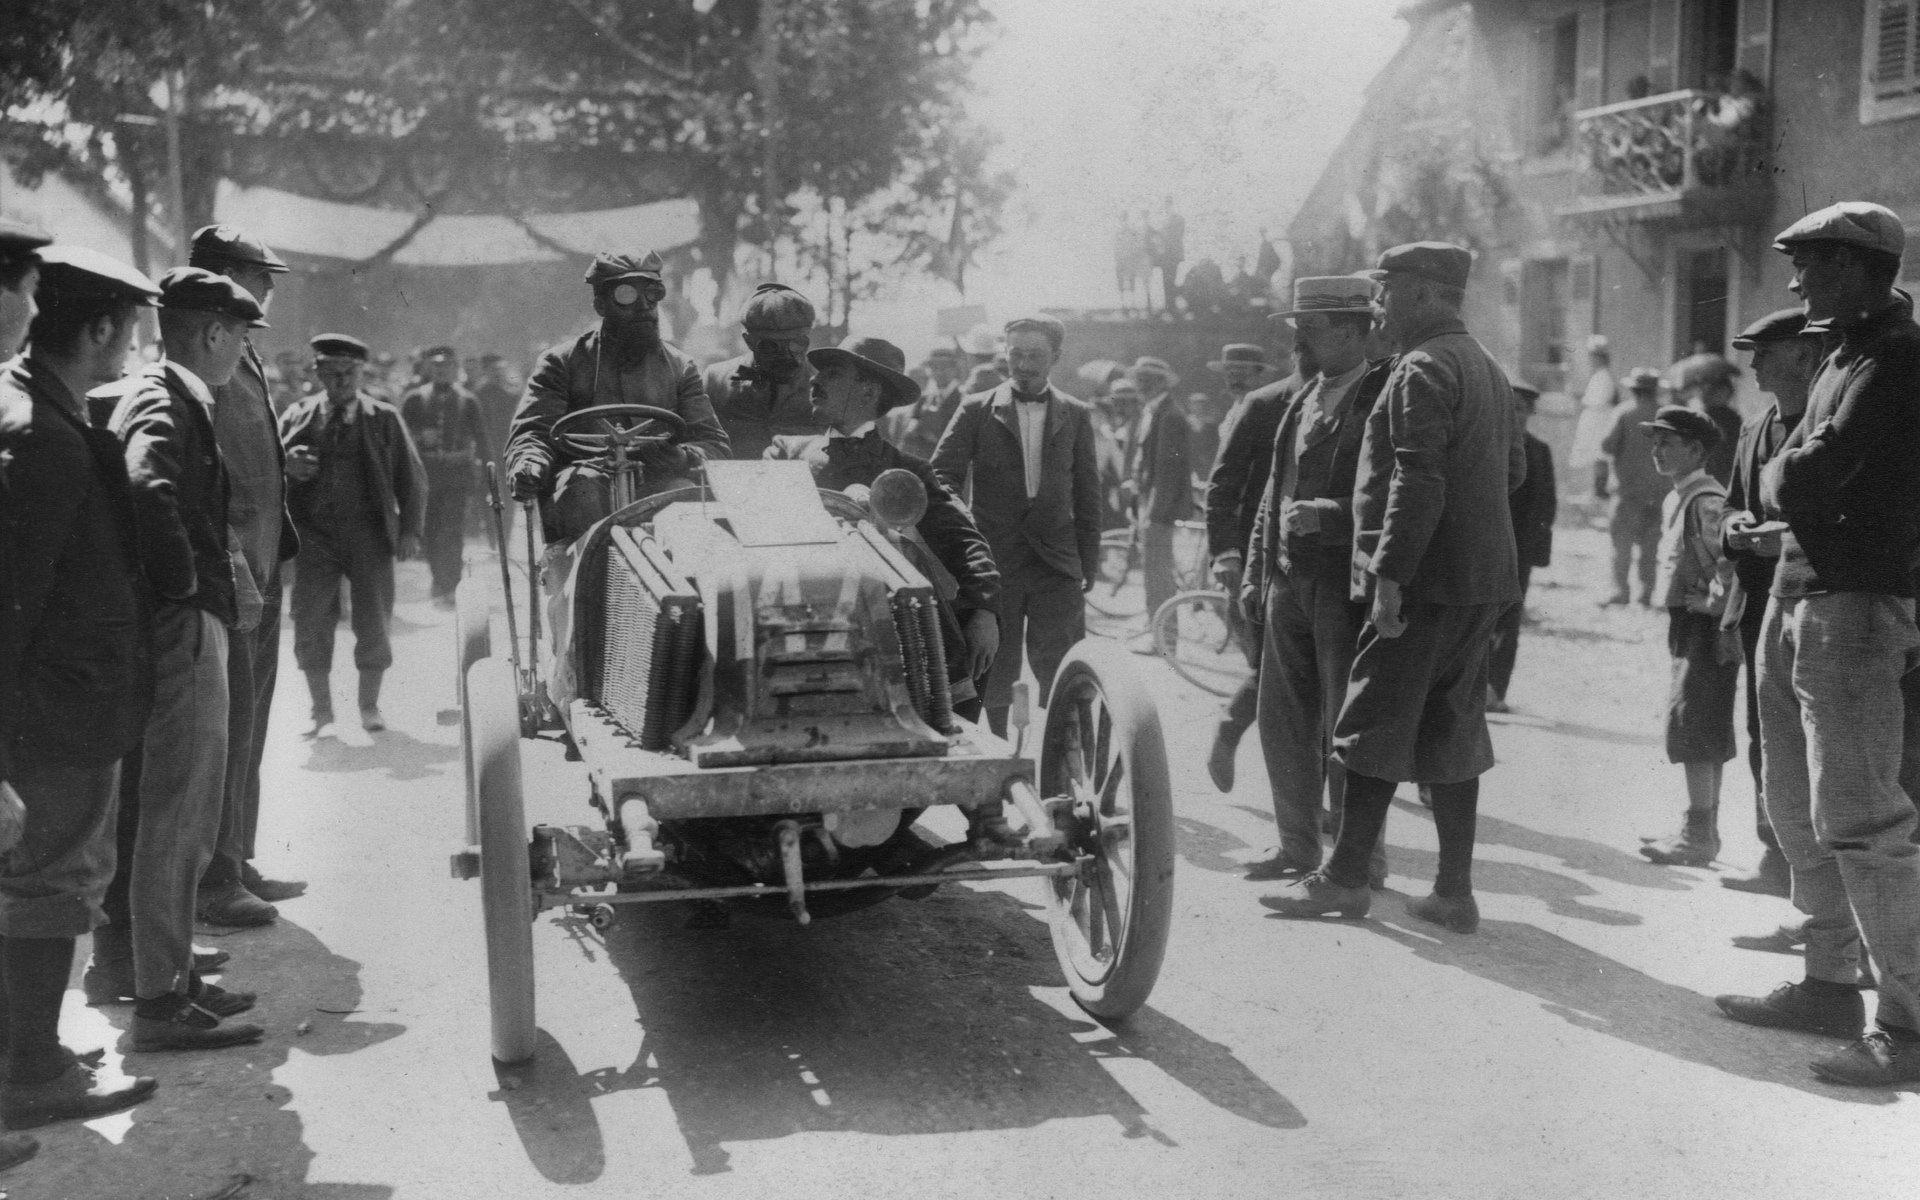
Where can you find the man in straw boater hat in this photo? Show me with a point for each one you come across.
(1838, 640)
(1298, 569)
(75, 656)
(762, 394)
(358, 494)
(1242, 367)
(621, 360)
(1434, 557)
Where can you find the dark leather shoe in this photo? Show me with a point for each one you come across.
(1791, 1006)
(1317, 896)
(271, 890)
(1771, 878)
(190, 1028)
(206, 961)
(1278, 866)
(1220, 759)
(223, 1003)
(1680, 851)
(79, 1093)
(234, 906)
(1458, 913)
(1877, 1060)
(1787, 939)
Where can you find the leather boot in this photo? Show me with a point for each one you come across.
(109, 975)
(1226, 743)
(370, 718)
(320, 690)
(1696, 845)
(1771, 878)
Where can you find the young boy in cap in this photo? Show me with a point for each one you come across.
(1691, 584)
(1633, 522)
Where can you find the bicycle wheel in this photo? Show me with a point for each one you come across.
(1192, 634)
(1115, 593)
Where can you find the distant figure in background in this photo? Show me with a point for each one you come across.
(762, 394)
(1705, 382)
(1204, 415)
(1131, 267)
(1167, 247)
(1163, 487)
(1634, 522)
(983, 362)
(1116, 434)
(916, 427)
(290, 383)
(1266, 262)
(1533, 505)
(497, 396)
(1205, 289)
(450, 433)
(1242, 366)
(1597, 402)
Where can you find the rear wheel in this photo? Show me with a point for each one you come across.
(1102, 749)
(1193, 634)
(472, 641)
(506, 883)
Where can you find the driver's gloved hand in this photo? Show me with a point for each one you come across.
(528, 481)
(665, 460)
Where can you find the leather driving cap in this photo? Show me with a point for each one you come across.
(1779, 326)
(193, 289)
(777, 308)
(220, 245)
(1438, 262)
(608, 267)
(75, 273)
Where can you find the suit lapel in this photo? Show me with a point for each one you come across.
(1002, 409)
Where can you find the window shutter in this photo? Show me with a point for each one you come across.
(1663, 46)
(1893, 50)
(1583, 292)
(1591, 55)
(1754, 55)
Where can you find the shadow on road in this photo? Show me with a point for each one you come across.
(1593, 858)
(401, 755)
(218, 1115)
(1207, 846)
(907, 1018)
(1563, 895)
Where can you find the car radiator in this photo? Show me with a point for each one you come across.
(916, 622)
(646, 663)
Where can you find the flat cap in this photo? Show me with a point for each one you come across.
(1684, 422)
(195, 289)
(1641, 379)
(877, 359)
(1779, 326)
(339, 345)
(608, 267)
(1851, 223)
(1700, 370)
(432, 353)
(1054, 330)
(1437, 262)
(777, 308)
(18, 239)
(219, 245)
(77, 273)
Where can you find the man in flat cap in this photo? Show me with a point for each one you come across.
(1299, 564)
(854, 386)
(449, 430)
(75, 662)
(1434, 557)
(762, 394)
(1785, 356)
(1838, 638)
(358, 494)
(1025, 449)
(1705, 380)
(20, 245)
(1633, 519)
(247, 428)
(620, 361)
(916, 428)
(201, 589)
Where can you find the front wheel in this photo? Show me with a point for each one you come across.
(1102, 749)
(506, 876)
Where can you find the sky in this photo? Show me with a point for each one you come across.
(1231, 107)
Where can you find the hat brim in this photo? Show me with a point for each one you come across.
(895, 388)
(1219, 366)
(1289, 314)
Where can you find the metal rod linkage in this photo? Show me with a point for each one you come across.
(745, 891)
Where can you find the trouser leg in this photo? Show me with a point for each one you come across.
(1752, 620)
(1362, 826)
(445, 533)
(224, 867)
(1056, 620)
(1620, 531)
(266, 674)
(316, 601)
(370, 580)
(1291, 715)
(1455, 814)
(1649, 544)
(1156, 542)
(182, 769)
(1506, 640)
(33, 971)
(996, 694)
(126, 829)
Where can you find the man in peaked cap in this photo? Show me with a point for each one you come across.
(358, 494)
(1785, 356)
(1437, 576)
(246, 426)
(20, 244)
(201, 590)
(1838, 639)
(762, 394)
(75, 666)
(449, 430)
(1633, 516)
(620, 361)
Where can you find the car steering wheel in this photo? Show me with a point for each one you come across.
(596, 431)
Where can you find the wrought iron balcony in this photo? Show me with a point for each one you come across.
(1689, 156)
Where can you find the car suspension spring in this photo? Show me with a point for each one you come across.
(939, 690)
(913, 652)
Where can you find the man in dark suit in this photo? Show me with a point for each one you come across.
(75, 658)
(1433, 553)
(763, 393)
(1025, 451)
(917, 428)
(1533, 505)
(450, 432)
(1163, 483)
(853, 387)
(1234, 488)
(202, 590)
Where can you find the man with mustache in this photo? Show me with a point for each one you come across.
(762, 394)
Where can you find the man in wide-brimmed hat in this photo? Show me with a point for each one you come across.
(1242, 367)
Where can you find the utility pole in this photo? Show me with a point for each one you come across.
(767, 79)
(170, 98)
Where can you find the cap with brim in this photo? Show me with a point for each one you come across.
(1782, 326)
(1849, 223)
(607, 268)
(1436, 262)
(1239, 354)
(1521, 387)
(77, 273)
(1641, 379)
(195, 289)
(777, 308)
(219, 245)
(1685, 422)
(340, 345)
(19, 239)
(439, 352)
(1154, 366)
(875, 358)
(1330, 294)
(1702, 370)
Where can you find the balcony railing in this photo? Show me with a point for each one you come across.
(1681, 153)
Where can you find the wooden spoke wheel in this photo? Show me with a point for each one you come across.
(506, 876)
(1102, 749)
(472, 641)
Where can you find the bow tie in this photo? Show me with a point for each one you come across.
(1029, 398)
(837, 442)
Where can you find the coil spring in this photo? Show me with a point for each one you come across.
(913, 651)
(939, 690)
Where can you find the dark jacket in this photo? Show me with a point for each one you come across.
(180, 492)
(1440, 455)
(916, 428)
(449, 431)
(1845, 481)
(754, 410)
(1533, 506)
(569, 377)
(1240, 473)
(947, 529)
(1720, 455)
(980, 455)
(391, 463)
(1760, 439)
(76, 660)
(243, 408)
(1165, 475)
(1325, 474)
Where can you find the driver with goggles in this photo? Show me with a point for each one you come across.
(623, 360)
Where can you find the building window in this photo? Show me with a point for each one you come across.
(1629, 50)
(1543, 322)
(1890, 61)
(1557, 80)
(1704, 302)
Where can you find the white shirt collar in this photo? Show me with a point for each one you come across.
(1685, 481)
(196, 386)
(858, 433)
